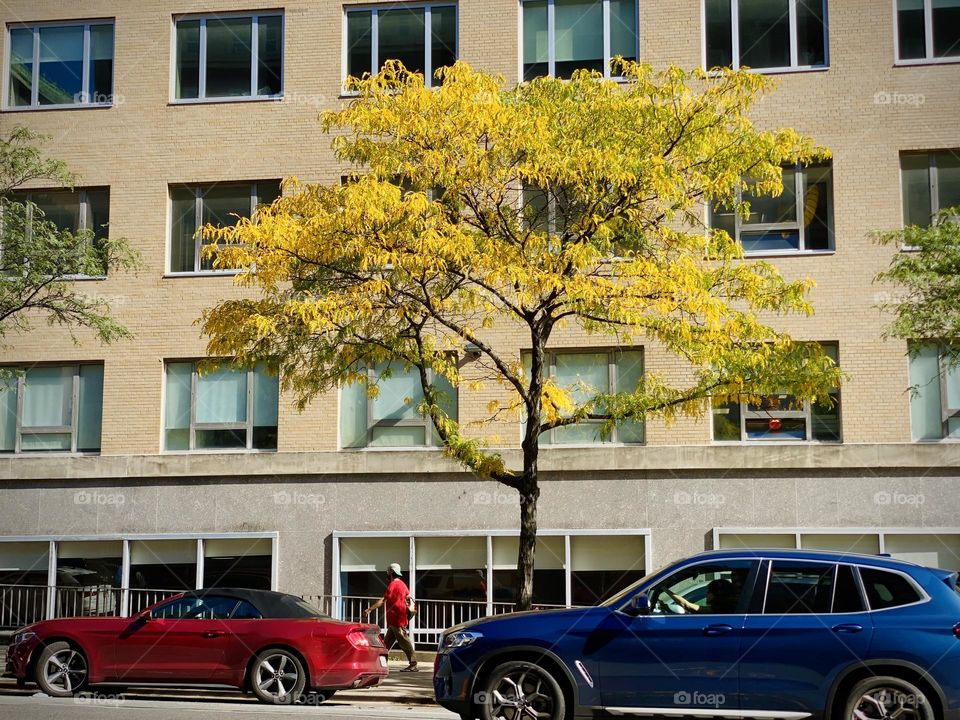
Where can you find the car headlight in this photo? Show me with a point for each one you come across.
(459, 639)
(22, 637)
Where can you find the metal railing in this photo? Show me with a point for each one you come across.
(432, 618)
(21, 605)
(24, 604)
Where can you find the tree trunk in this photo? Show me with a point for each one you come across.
(528, 544)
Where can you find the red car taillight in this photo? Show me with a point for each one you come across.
(358, 639)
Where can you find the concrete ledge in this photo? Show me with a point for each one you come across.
(420, 463)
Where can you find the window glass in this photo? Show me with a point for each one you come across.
(8, 414)
(946, 28)
(796, 588)
(719, 34)
(266, 404)
(48, 397)
(925, 411)
(100, 81)
(61, 65)
(183, 245)
(817, 208)
(359, 43)
(246, 611)
(188, 59)
(629, 378)
(353, 415)
(401, 37)
(811, 33)
(223, 206)
(211, 607)
(178, 393)
(948, 179)
(911, 29)
(765, 33)
(61, 207)
(398, 395)
(578, 33)
(846, 595)
(535, 39)
(444, 38)
(21, 67)
(222, 396)
(270, 55)
(228, 57)
(707, 589)
(917, 205)
(887, 589)
(90, 411)
(623, 29)
(398, 436)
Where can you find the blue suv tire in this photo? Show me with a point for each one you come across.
(884, 698)
(513, 689)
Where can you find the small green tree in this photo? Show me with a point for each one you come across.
(38, 259)
(926, 282)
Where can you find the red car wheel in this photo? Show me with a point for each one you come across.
(277, 677)
(61, 670)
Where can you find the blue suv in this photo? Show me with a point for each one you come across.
(770, 634)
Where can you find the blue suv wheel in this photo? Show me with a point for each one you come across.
(520, 691)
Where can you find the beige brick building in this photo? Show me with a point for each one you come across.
(315, 518)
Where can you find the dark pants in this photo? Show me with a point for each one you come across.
(399, 635)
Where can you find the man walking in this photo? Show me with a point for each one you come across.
(395, 600)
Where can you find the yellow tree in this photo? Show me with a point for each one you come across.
(555, 202)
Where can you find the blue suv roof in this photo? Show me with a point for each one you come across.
(822, 555)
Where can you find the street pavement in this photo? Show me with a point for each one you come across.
(402, 695)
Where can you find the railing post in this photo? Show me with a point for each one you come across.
(52, 580)
(125, 580)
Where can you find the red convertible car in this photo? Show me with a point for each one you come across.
(272, 644)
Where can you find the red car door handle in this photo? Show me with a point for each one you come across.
(717, 629)
(847, 628)
(213, 634)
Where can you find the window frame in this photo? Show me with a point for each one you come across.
(202, 56)
(613, 377)
(933, 182)
(429, 436)
(806, 413)
(374, 11)
(929, 58)
(800, 180)
(34, 27)
(73, 428)
(85, 215)
(198, 190)
(794, 65)
(247, 426)
(551, 40)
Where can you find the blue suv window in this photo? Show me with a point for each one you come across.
(799, 588)
(846, 594)
(887, 589)
(708, 589)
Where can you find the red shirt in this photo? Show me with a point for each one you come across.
(395, 602)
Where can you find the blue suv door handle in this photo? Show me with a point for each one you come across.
(717, 629)
(847, 628)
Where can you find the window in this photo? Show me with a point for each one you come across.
(246, 611)
(927, 29)
(74, 211)
(224, 409)
(846, 596)
(422, 37)
(561, 36)
(766, 34)
(210, 607)
(796, 588)
(799, 220)
(705, 589)
(60, 66)
(391, 416)
(931, 183)
(228, 57)
(51, 409)
(887, 589)
(586, 374)
(780, 417)
(192, 207)
(935, 396)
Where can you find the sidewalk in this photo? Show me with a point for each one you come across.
(399, 687)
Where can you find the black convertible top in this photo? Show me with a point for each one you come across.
(270, 604)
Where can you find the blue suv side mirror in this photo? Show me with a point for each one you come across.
(640, 605)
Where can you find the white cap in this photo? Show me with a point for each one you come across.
(395, 569)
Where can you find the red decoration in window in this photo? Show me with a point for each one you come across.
(775, 424)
